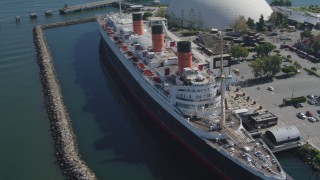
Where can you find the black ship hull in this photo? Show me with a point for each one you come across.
(218, 163)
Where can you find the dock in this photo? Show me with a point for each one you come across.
(98, 4)
(77, 8)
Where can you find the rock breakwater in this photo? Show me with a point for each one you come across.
(66, 148)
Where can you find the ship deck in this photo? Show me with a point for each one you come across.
(238, 136)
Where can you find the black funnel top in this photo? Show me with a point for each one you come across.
(137, 16)
(157, 29)
(184, 46)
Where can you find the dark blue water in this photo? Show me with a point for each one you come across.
(113, 140)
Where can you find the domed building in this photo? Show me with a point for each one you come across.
(218, 14)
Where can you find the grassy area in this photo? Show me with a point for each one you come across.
(312, 8)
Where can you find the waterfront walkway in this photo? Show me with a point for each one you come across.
(69, 9)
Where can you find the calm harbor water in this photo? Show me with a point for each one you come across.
(114, 141)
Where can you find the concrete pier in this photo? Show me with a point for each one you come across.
(69, 9)
(66, 148)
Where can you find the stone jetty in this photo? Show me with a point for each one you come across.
(66, 148)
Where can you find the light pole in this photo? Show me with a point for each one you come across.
(292, 91)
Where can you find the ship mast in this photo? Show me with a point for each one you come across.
(120, 11)
(222, 77)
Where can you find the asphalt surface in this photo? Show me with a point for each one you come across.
(285, 87)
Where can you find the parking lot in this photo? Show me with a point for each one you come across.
(300, 85)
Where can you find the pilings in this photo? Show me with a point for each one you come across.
(66, 148)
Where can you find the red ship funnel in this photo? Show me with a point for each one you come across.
(137, 19)
(157, 38)
(184, 55)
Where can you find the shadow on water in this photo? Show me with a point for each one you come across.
(126, 130)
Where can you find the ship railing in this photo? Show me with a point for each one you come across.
(242, 162)
(148, 84)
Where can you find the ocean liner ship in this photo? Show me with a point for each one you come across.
(172, 82)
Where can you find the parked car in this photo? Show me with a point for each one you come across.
(318, 111)
(310, 96)
(317, 119)
(312, 101)
(298, 105)
(301, 115)
(270, 88)
(309, 114)
(312, 119)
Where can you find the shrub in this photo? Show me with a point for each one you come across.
(312, 72)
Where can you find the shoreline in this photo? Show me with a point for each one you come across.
(66, 147)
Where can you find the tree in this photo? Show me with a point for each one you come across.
(272, 65)
(250, 23)
(239, 52)
(257, 67)
(297, 65)
(305, 34)
(288, 3)
(240, 25)
(310, 51)
(316, 47)
(289, 70)
(147, 14)
(274, 17)
(281, 3)
(161, 12)
(261, 24)
(279, 19)
(264, 49)
(266, 66)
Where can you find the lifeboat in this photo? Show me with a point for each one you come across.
(141, 66)
(135, 59)
(157, 80)
(129, 53)
(124, 47)
(108, 30)
(148, 72)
